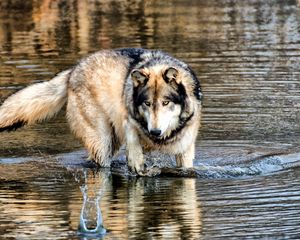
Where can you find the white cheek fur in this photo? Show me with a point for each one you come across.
(168, 119)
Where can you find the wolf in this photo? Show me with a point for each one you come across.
(144, 99)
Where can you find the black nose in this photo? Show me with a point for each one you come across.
(155, 132)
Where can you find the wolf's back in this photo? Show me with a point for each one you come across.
(34, 103)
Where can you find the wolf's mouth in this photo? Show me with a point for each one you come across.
(157, 137)
(164, 139)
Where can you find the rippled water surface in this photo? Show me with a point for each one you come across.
(246, 54)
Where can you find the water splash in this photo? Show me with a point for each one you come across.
(263, 165)
(91, 221)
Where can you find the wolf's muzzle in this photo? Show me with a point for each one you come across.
(155, 132)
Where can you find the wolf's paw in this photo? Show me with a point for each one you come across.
(151, 172)
(136, 169)
(144, 172)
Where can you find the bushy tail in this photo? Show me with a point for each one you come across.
(34, 103)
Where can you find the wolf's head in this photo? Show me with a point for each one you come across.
(161, 101)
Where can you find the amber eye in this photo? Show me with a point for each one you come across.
(165, 103)
(148, 104)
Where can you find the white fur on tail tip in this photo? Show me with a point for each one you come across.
(36, 102)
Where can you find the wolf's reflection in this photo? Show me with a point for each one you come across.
(139, 207)
(164, 208)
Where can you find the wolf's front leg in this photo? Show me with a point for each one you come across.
(186, 158)
(134, 151)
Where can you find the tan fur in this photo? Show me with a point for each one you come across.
(36, 102)
(99, 95)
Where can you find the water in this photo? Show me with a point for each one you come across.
(246, 54)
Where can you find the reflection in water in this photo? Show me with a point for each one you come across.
(50, 200)
(168, 210)
(164, 208)
(45, 199)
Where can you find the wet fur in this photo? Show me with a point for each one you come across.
(105, 104)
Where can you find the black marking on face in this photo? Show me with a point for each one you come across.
(178, 95)
(140, 120)
(175, 98)
(14, 126)
(181, 91)
(139, 95)
(197, 87)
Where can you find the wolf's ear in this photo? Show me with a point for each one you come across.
(170, 75)
(138, 78)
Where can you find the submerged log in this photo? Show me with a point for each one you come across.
(261, 163)
(213, 163)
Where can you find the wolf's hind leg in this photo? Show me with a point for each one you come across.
(92, 126)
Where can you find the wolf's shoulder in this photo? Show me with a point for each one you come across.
(135, 56)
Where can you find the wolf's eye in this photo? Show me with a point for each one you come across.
(148, 104)
(165, 103)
